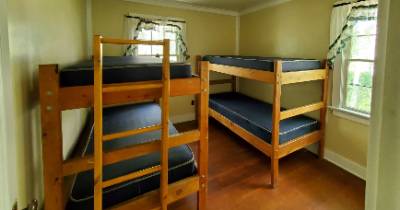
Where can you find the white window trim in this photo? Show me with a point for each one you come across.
(171, 55)
(339, 78)
(337, 90)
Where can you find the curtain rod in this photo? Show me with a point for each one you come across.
(137, 17)
(347, 3)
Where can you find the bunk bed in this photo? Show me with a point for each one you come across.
(275, 131)
(133, 157)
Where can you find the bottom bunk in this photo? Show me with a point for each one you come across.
(252, 120)
(116, 119)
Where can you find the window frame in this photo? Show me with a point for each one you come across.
(339, 92)
(344, 92)
(166, 19)
(158, 55)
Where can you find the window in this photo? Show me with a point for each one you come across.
(358, 68)
(158, 32)
(352, 56)
(156, 28)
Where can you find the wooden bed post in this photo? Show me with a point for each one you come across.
(51, 136)
(276, 112)
(322, 114)
(98, 122)
(197, 97)
(203, 144)
(164, 126)
(234, 84)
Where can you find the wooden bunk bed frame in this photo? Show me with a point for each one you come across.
(54, 99)
(277, 78)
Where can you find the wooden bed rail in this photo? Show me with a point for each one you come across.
(82, 96)
(80, 164)
(267, 76)
(301, 110)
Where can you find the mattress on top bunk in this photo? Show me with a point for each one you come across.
(120, 69)
(116, 119)
(264, 63)
(256, 117)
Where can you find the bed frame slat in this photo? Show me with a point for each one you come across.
(124, 134)
(76, 165)
(132, 86)
(131, 176)
(82, 96)
(303, 76)
(301, 110)
(259, 75)
(151, 201)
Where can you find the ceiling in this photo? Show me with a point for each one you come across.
(234, 5)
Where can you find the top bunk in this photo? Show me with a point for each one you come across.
(134, 76)
(121, 69)
(265, 69)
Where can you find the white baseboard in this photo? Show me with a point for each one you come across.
(183, 118)
(346, 164)
(342, 162)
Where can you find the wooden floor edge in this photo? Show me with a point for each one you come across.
(151, 201)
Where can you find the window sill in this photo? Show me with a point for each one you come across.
(350, 115)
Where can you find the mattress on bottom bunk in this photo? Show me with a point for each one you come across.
(116, 119)
(264, 63)
(120, 69)
(256, 117)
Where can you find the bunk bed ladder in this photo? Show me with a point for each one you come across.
(99, 138)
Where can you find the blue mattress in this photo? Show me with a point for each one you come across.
(256, 117)
(120, 69)
(264, 63)
(116, 119)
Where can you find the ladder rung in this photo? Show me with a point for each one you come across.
(131, 176)
(132, 86)
(124, 134)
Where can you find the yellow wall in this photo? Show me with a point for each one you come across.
(300, 29)
(40, 32)
(205, 34)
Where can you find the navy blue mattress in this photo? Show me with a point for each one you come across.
(256, 117)
(116, 119)
(120, 69)
(264, 63)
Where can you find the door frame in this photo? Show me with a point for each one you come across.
(7, 144)
(372, 178)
